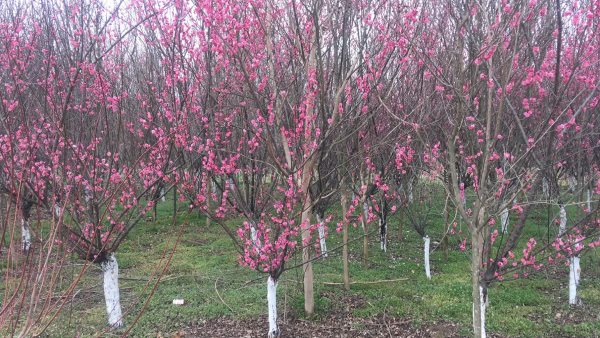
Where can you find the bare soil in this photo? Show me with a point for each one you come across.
(337, 325)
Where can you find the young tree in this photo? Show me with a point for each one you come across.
(512, 73)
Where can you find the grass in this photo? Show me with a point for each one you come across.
(204, 272)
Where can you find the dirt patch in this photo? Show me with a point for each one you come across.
(335, 325)
(339, 322)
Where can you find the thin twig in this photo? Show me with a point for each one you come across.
(222, 301)
(368, 282)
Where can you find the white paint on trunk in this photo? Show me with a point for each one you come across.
(572, 181)
(545, 186)
(366, 211)
(110, 271)
(574, 275)
(272, 304)
(322, 240)
(427, 241)
(504, 220)
(56, 211)
(162, 194)
(254, 236)
(562, 228)
(589, 200)
(25, 236)
(483, 302)
(383, 234)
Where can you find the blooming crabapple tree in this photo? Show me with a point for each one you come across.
(289, 94)
(76, 109)
(28, 157)
(267, 109)
(419, 213)
(513, 72)
(385, 67)
(244, 93)
(26, 147)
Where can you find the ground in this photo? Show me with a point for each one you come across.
(197, 262)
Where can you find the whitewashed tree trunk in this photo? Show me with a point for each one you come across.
(427, 241)
(574, 275)
(322, 241)
(110, 272)
(162, 194)
(383, 233)
(272, 304)
(364, 220)
(504, 220)
(478, 289)
(562, 228)
(545, 186)
(483, 303)
(25, 236)
(589, 200)
(572, 181)
(254, 236)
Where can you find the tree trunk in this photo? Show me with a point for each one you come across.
(504, 220)
(345, 258)
(383, 231)
(272, 305)
(25, 209)
(562, 228)
(25, 235)
(589, 200)
(365, 233)
(445, 243)
(322, 240)
(110, 272)
(254, 236)
(572, 181)
(574, 275)
(479, 292)
(426, 239)
(309, 298)
(344, 200)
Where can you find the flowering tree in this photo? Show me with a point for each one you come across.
(503, 94)
(270, 111)
(77, 76)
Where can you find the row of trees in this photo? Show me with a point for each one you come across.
(278, 114)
